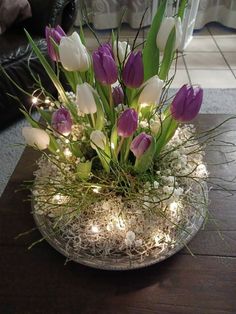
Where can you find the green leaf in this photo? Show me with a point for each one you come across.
(31, 121)
(114, 140)
(143, 163)
(81, 34)
(84, 170)
(182, 6)
(45, 114)
(150, 51)
(168, 55)
(75, 149)
(48, 69)
(100, 114)
(166, 132)
(53, 145)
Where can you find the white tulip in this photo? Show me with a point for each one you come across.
(123, 51)
(98, 140)
(85, 99)
(73, 54)
(151, 91)
(36, 137)
(166, 27)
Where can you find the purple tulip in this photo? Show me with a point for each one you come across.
(104, 65)
(56, 34)
(61, 121)
(133, 73)
(187, 103)
(127, 123)
(140, 144)
(117, 95)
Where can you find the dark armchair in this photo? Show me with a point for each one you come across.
(15, 52)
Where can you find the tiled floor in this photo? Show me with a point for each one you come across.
(209, 59)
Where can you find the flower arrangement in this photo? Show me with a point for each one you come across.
(121, 180)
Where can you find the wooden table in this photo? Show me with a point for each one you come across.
(37, 281)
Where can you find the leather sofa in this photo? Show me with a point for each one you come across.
(15, 53)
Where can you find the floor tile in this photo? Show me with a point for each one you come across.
(231, 59)
(226, 44)
(202, 44)
(213, 78)
(205, 60)
(181, 77)
(180, 62)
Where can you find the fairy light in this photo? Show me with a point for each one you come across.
(201, 170)
(59, 198)
(144, 105)
(173, 208)
(112, 146)
(94, 229)
(47, 101)
(67, 152)
(96, 189)
(34, 100)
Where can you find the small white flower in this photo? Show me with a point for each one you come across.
(130, 237)
(156, 184)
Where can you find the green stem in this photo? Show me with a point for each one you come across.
(93, 120)
(119, 146)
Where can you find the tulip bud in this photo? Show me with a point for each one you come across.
(140, 144)
(187, 103)
(104, 65)
(36, 137)
(127, 123)
(155, 126)
(56, 34)
(61, 121)
(73, 54)
(166, 27)
(133, 73)
(117, 95)
(98, 140)
(85, 99)
(121, 52)
(152, 91)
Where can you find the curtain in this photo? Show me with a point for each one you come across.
(222, 11)
(106, 14)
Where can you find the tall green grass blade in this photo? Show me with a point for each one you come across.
(150, 51)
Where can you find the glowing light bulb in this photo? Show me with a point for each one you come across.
(59, 198)
(143, 105)
(47, 101)
(96, 189)
(34, 100)
(173, 208)
(202, 171)
(112, 146)
(95, 229)
(67, 152)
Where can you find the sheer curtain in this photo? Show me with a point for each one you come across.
(105, 14)
(222, 11)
